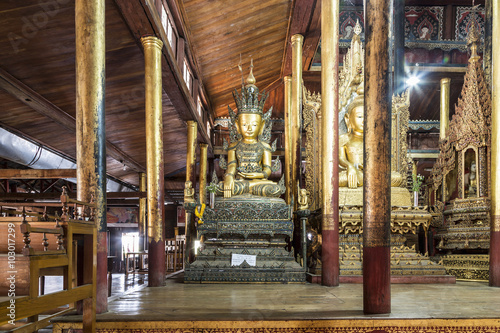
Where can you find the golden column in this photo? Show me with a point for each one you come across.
(377, 159)
(154, 156)
(295, 109)
(330, 141)
(90, 131)
(495, 151)
(445, 108)
(288, 140)
(191, 150)
(192, 137)
(203, 172)
(142, 211)
(444, 121)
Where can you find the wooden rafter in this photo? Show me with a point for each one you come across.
(37, 173)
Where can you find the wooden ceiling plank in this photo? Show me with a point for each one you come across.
(40, 104)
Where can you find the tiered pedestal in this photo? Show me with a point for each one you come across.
(254, 230)
(406, 263)
(467, 225)
(466, 229)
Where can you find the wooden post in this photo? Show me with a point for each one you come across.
(90, 130)
(495, 151)
(203, 173)
(295, 109)
(377, 168)
(191, 176)
(288, 140)
(444, 119)
(154, 156)
(142, 212)
(330, 141)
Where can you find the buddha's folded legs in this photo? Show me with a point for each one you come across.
(262, 188)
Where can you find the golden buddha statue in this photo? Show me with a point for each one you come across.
(249, 156)
(351, 147)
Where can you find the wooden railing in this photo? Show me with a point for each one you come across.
(174, 251)
(76, 222)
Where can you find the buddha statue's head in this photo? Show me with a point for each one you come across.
(250, 125)
(250, 120)
(354, 116)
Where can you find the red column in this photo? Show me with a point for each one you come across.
(377, 168)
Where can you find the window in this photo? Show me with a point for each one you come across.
(187, 76)
(208, 129)
(199, 108)
(166, 22)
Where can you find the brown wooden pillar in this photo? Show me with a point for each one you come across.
(154, 158)
(330, 141)
(377, 168)
(90, 130)
(495, 151)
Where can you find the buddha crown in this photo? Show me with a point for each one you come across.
(250, 100)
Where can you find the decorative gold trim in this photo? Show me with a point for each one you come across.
(297, 326)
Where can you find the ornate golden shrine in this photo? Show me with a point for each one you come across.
(245, 234)
(461, 176)
(405, 219)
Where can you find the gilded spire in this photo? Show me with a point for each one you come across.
(472, 120)
(251, 79)
(250, 100)
(473, 40)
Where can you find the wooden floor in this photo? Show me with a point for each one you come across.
(178, 307)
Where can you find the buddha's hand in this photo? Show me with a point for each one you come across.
(352, 177)
(251, 175)
(228, 186)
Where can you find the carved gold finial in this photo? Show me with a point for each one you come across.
(249, 100)
(251, 79)
(473, 40)
(357, 28)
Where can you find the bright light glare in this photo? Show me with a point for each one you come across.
(412, 81)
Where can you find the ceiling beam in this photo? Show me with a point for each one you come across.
(37, 173)
(43, 106)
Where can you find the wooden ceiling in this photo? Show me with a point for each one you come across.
(221, 31)
(37, 70)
